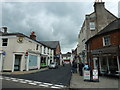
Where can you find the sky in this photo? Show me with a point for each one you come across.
(50, 20)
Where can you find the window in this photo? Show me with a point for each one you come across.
(92, 25)
(4, 42)
(106, 41)
(37, 47)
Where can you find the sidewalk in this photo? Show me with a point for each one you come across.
(23, 72)
(104, 82)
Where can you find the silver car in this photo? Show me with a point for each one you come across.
(53, 65)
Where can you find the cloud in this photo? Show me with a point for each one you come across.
(50, 20)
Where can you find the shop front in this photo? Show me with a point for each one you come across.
(44, 61)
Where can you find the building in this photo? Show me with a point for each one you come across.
(103, 49)
(19, 52)
(67, 57)
(93, 24)
(55, 45)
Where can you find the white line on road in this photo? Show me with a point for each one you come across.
(47, 83)
(55, 87)
(1, 78)
(59, 85)
(28, 81)
(15, 80)
(22, 82)
(43, 85)
(7, 79)
(32, 83)
(37, 82)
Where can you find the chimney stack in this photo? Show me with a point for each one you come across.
(33, 36)
(99, 6)
(4, 29)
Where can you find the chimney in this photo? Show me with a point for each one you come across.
(33, 36)
(4, 29)
(99, 6)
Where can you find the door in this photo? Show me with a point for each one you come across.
(17, 62)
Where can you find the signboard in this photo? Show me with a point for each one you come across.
(86, 74)
(95, 74)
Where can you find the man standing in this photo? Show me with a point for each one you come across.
(81, 65)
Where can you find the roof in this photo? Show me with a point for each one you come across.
(51, 44)
(113, 26)
(19, 34)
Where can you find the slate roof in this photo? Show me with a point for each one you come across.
(51, 44)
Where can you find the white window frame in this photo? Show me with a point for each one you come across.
(104, 44)
(4, 42)
(92, 25)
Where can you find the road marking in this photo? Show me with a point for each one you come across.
(32, 83)
(20, 79)
(1, 78)
(23, 82)
(43, 85)
(28, 81)
(55, 87)
(7, 79)
(47, 83)
(59, 85)
(15, 80)
(37, 82)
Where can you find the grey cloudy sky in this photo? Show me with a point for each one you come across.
(59, 21)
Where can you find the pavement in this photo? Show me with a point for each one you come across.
(23, 72)
(77, 81)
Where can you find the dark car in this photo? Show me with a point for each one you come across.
(53, 65)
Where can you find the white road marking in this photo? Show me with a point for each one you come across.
(59, 85)
(20, 79)
(55, 87)
(15, 80)
(47, 83)
(7, 79)
(43, 85)
(37, 82)
(28, 81)
(1, 78)
(32, 83)
(23, 82)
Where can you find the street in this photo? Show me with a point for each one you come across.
(51, 78)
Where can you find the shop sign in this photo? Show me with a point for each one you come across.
(95, 74)
(86, 74)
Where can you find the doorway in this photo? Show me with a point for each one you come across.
(17, 62)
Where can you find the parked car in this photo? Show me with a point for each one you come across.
(53, 65)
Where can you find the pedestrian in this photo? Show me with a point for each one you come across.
(63, 63)
(74, 66)
(80, 67)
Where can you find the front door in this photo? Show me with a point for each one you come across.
(17, 62)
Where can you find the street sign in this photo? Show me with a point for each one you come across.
(95, 74)
(86, 74)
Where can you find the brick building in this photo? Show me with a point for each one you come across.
(103, 49)
(93, 24)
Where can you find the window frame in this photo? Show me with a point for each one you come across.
(4, 42)
(92, 25)
(108, 43)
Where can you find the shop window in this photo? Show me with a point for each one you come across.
(92, 25)
(4, 42)
(106, 41)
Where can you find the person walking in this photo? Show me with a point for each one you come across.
(80, 67)
(74, 66)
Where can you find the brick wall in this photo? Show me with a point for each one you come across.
(97, 42)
